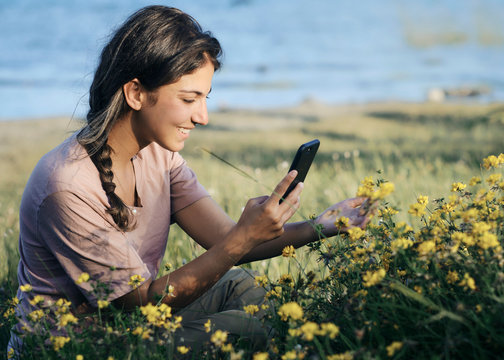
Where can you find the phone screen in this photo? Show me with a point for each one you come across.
(302, 162)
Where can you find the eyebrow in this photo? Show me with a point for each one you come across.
(199, 93)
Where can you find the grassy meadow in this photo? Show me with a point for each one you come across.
(421, 148)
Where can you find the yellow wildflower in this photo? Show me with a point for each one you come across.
(286, 279)
(372, 278)
(227, 347)
(63, 306)
(342, 222)
(458, 186)
(236, 355)
(67, 318)
(276, 292)
(488, 240)
(36, 300)
(384, 190)
(470, 215)
(59, 341)
(468, 282)
(493, 161)
(423, 200)
(208, 326)
(14, 301)
(26, 288)
(84, 277)
(468, 240)
(142, 332)
(356, 233)
(426, 247)
(290, 355)
(493, 179)
(219, 337)
(9, 312)
(135, 281)
(330, 330)
(171, 291)
(452, 277)
(394, 347)
(309, 330)
(261, 356)
(292, 310)
(400, 243)
(79, 357)
(251, 309)
(168, 266)
(103, 304)
(156, 315)
(261, 280)
(360, 292)
(417, 209)
(289, 251)
(475, 180)
(479, 228)
(387, 212)
(343, 356)
(36, 315)
(183, 349)
(10, 353)
(367, 187)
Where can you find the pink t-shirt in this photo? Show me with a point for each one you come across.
(65, 229)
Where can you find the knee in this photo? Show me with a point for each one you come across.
(242, 289)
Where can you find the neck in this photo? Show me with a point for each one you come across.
(123, 141)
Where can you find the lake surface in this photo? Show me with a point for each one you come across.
(277, 53)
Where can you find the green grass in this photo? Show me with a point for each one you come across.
(421, 148)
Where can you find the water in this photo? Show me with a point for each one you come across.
(277, 53)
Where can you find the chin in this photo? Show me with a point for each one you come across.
(175, 147)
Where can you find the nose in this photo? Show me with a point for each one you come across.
(200, 115)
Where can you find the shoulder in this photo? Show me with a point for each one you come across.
(66, 168)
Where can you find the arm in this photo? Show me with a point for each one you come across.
(214, 224)
(301, 233)
(263, 219)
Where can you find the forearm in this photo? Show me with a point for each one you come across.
(191, 280)
(296, 234)
(195, 278)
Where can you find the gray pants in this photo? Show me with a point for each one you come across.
(223, 306)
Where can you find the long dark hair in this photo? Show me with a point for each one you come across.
(157, 45)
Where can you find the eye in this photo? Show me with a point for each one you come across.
(188, 101)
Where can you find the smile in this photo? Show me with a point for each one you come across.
(184, 131)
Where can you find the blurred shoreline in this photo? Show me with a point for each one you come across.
(463, 103)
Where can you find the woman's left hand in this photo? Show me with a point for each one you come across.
(357, 210)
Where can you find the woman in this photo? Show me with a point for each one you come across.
(102, 202)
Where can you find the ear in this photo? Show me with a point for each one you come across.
(134, 94)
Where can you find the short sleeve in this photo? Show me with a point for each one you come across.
(80, 236)
(184, 186)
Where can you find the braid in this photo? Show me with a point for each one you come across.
(120, 212)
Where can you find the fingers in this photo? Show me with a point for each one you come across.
(283, 185)
(355, 202)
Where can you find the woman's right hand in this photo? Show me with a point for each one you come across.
(264, 217)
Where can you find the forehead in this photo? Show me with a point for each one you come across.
(199, 80)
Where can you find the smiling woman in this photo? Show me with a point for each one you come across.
(102, 202)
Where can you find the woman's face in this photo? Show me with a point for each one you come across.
(178, 108)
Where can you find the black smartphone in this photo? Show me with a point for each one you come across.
(302, 162)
